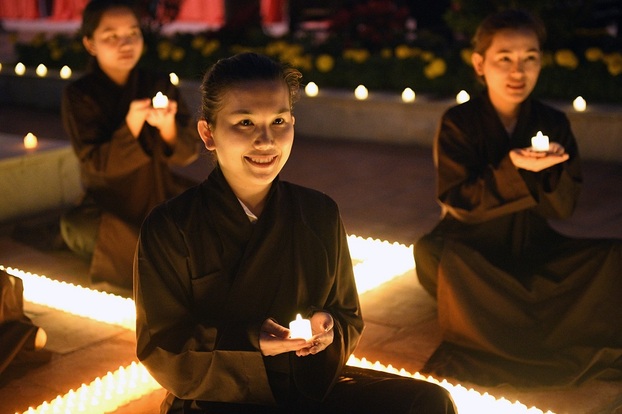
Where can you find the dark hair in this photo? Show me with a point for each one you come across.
(243, 67)
(94, 10)
(506, 19)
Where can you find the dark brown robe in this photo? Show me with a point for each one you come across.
(17, 332)
(206, 278)
(125, 177)
(518, 302)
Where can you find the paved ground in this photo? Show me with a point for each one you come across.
(384, 191)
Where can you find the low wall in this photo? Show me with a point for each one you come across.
(337, 114)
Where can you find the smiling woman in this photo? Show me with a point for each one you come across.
(237, 257)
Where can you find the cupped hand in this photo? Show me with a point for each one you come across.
(274, 339)
(137, 114)
(537, 161)
(322, 325)
(162, 117)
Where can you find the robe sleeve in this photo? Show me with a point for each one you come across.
(470, 188)
(558, 187)
(98, 145)
(315, 374)
(188, 144)
(473, 187)
(187, 356)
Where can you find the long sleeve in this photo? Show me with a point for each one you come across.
(185, 355)
(477, 181)
(125, 175)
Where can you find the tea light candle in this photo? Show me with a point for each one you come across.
(173, 78)
(462, 97)
(540, 142)
(312, 89)
(300, 328)
(20, 69)
(65, 72)
(30, 141)
(160, 100)
(579, 104)
(408, 95)
(361, 93)
(41, 70)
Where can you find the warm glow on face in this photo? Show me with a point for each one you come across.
(377, 262)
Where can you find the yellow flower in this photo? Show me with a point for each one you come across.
(547, 59)
(324, 63)
(164, 50)
(403, 52)
(357, 55)
(437, 67)
(427, 56)
(593, 54)
(198, 42)
(614, 63)
(276, 47)
(302, 62)
(566, 58)
(466, 54)
(38, 40)
(386, 53)
(210, 47)
(56, 53)
(178, 53)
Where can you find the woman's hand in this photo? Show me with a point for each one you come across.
(322, 324)
(537, 161)
(137, 114)
(274, 339)
(164, 120)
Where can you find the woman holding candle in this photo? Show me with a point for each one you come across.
(125, 146)
(518, 302)
(222, 269)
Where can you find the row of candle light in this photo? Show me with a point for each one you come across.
(408, 95)
(311, 89)
(65, 72)
(376, 262)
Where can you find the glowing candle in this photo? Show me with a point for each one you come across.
(579, 104)
(462, 97)
(30, 141)
(65, 72)
(160, 100)
(312, 89)
(20, 69)
(361, 93)
(300, 328)
(408, 95)
(540, 142)
(41, 70)
(173, 78)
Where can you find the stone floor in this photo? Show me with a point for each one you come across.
(384, 191)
